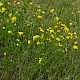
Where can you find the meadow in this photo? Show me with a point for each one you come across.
(39, 39)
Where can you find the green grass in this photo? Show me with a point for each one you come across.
(43, 48)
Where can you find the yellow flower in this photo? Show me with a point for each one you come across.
(4, 54)
(20, 33)
(72, 12)
(9, 32)
(3, 27)
(10, 15)
(71, 24)
(3, 9)
(42, 36)
(1, 3)
(75, 42)
(28, 24)
(52, 10)
(17, 40)
(58, 30)
(17, 44)
(60, 44)
(9, 3)
(38, 43)
(67, 37)
(29, 41)
(71, 37)
(35, 37)
(59, 23)
(13, 19)
(49, 39)
(76, 36)
(39, 6)
(63, 25)
(18, 3)
(43, 12)
(14, 1)
(70, 33)
(30, 3)
(74, 33)
(58, 39)
(52, 35)
(40, 60)
(57, 18)
(41, 29)
(62, 37)
(51, 31)
(66, 29)
(39, 10)
(75, 47)
(39, 16)
(66, 49)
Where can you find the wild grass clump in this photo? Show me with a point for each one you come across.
(40, 39)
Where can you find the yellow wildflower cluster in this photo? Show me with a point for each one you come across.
(66, 29)
(52, 29)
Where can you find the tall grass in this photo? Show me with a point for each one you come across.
(40, 40)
